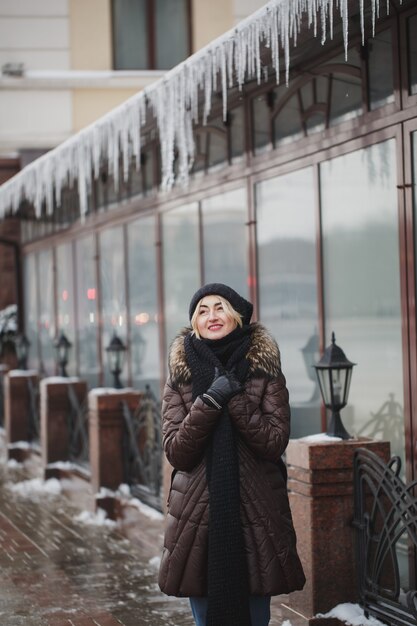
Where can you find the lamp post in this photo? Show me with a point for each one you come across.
(116, 351)
(22, 345)
(62, 347)
(334, 373)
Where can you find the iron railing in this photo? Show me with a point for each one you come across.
(142, 449)
(385, 519)
(77, 422)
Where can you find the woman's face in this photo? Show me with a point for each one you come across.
(212, 321)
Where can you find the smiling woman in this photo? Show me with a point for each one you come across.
(229, 542)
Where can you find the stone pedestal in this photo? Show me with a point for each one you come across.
(3, 371)
(17, 407)
(106, 424)
(55, 409)
(320, 480)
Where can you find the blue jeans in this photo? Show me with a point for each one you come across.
(260, 611)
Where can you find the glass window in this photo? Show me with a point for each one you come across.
(31, 308)
(225, 240)
(47, 332)
(181, 261)
(130, 34)
(412, 53)
(172, 37)
(143, 303)
(65, 300)
(113, 295)
(346, 97)
(286, 236)
(362, 286)
(261, 121)
(380, 70)
(287, 124)
(150, 34)
(88, 356)
(237, 131)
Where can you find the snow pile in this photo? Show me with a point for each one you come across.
(146, 510)
(36, 486)
(155, 562)
(351, 614)
(13, 464)
(13, 373)
(319, 438)
(286, 623)
(174, 101)
(99, 518)
(19, 445)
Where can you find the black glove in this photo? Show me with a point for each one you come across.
(222, 389)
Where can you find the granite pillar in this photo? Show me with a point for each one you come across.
(320, 482)
(55, 409)
(106, 426)
(17, 407)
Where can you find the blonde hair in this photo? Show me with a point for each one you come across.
(227, 308)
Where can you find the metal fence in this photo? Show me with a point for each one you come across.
(385, 520)
(142, 451)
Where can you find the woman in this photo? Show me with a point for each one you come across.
(229, 541)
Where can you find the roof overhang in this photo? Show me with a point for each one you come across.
(258, 49)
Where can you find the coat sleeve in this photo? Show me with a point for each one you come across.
(185, 432)
(262, 416)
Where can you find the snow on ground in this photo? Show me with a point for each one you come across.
(36, 486)
(286, 623)
(99, 518)
(146, 510)
(155, 562)
(351, 614)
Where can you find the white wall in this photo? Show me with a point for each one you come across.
(35, 33)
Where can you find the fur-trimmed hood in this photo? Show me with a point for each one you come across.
(263, 356)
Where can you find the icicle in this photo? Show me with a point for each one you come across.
(344, 10)
(373, 2)
(174, 102)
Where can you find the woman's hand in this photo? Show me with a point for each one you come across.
(222, 389)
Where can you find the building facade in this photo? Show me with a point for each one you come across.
(302, 198)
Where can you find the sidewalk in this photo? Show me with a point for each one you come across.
(58, 570)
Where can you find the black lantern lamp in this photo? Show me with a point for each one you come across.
(116, 351)
(334, 373)
(22, 345)
(62, 348)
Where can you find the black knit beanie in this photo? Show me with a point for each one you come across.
(242, 306)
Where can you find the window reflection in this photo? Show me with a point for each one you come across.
(113, 296)
(46, 313)
(362, 286)
(412, 53)
(87, 294)
(65, 299)
(380, 70)
(31, 308)
(181, 259)
(286, 234)
(144, 337)
(225, 245)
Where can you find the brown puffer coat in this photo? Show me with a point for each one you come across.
(261, 416)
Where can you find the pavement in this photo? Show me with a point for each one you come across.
(61, 564)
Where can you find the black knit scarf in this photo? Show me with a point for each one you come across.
(227, 572)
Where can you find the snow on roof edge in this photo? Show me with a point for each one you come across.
(173, 99)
